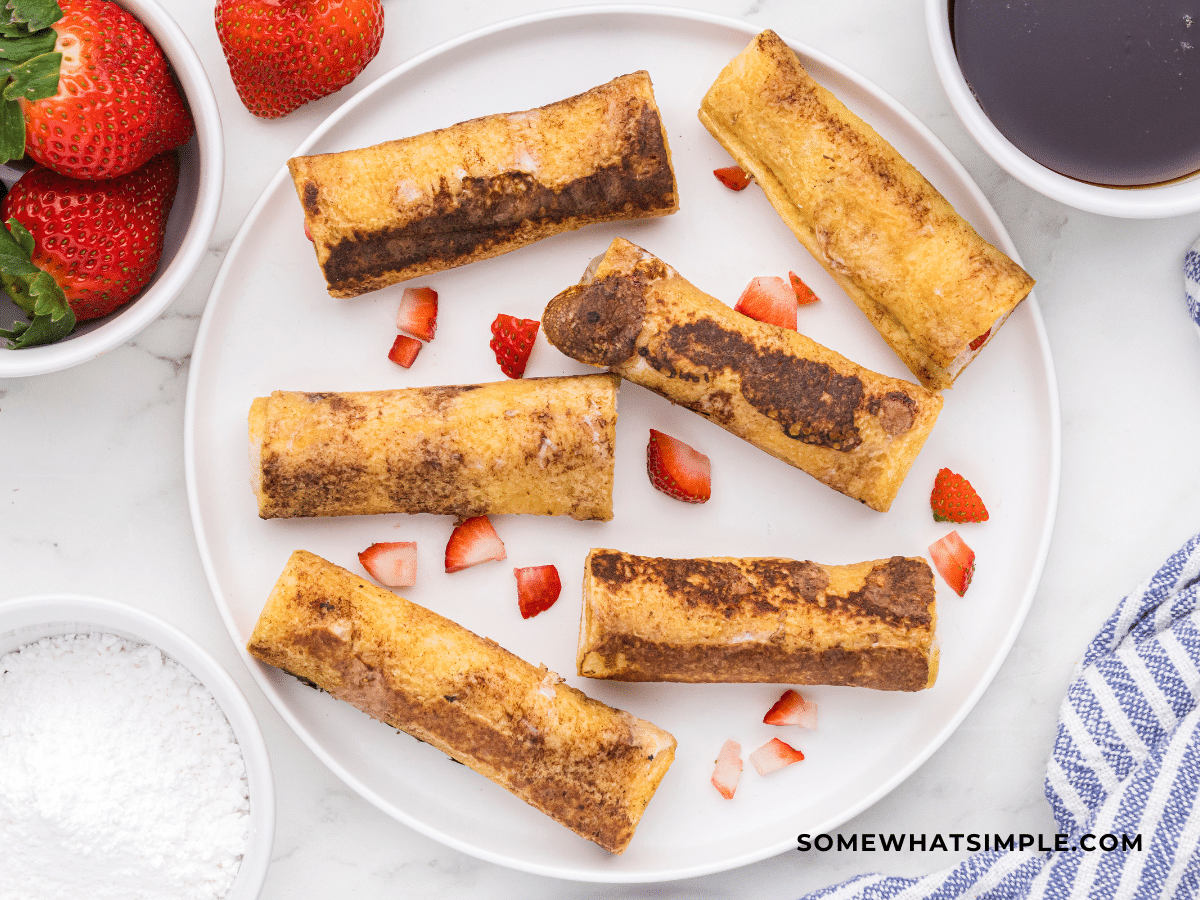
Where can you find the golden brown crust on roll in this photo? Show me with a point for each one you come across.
(758, 620)
(589, 766)
(543, 446)
(853, 429)
(406, 208)
(920, 272)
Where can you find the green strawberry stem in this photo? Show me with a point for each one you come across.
(28, 66)
(32, 289)
(28, 69)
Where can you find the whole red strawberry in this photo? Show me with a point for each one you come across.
(285, 53)
(101, 241)
(117, 103)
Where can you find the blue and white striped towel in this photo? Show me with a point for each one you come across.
(1126, 761)
(1191, 281)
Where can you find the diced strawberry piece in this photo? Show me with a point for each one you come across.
(417, 314)
(792, 709)
(678, 470)
(404, 350)
(538, 588)
(769, 299)
(981, 340)
(804, 294)
(472, 542)
(954, 500)
(774, 754)
(307, 231)
(733, 177)
(955, 561)
(391, 563)
(728, 770)
(512, 342)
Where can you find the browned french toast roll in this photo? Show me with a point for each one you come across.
(934, 288)
(406, 208)
(586, 765)
(543, 446)
(783, 621)
(855, 430)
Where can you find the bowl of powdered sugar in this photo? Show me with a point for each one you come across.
(131, 765)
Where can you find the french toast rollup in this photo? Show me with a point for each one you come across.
(586, 765)
(855, 430)
(783, 621)
(406, 208)
(933, 287)
(542, 446)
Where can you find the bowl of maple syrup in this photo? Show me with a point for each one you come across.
(1094, 104)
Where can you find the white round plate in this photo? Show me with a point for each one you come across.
(270, 325)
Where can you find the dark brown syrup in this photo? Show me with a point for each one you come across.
(1104, 91)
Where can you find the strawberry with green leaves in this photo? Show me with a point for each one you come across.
(104, 101)
(285, 53)
(29, 66)
(76, 250)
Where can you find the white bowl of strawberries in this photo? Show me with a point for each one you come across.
(114, 195)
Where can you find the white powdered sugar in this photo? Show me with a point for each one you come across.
(119, 776)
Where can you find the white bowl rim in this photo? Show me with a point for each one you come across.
(1149, 202)
(171, 280)
(37, 612)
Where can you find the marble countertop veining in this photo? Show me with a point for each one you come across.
(93, 500)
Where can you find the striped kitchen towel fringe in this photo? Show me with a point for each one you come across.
(1126, 761)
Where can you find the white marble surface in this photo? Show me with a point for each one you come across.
(92, 494)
